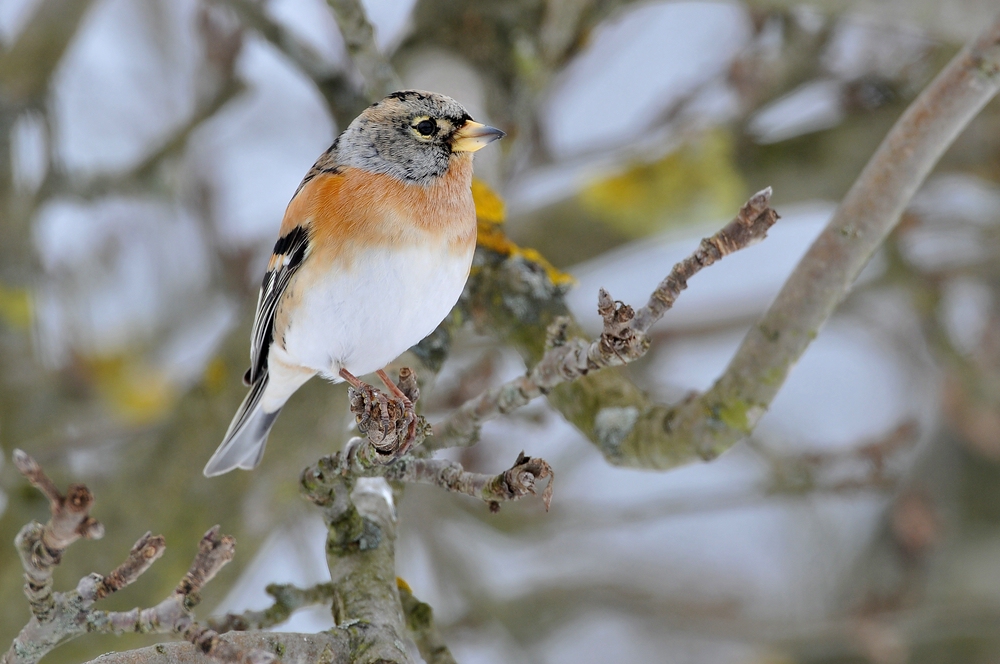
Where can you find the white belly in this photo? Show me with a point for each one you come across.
(363, 318)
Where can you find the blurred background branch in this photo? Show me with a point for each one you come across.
(827, 272)
(359, 38)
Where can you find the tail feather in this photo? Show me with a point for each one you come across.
(243, 445)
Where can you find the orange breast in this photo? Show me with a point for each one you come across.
(355, 209)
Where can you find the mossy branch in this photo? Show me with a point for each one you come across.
(361, 520)
(509, 296)
(420, 624)
(623, 340)
(287, 600)
(712, 422)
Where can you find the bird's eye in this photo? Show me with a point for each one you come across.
(426, 127)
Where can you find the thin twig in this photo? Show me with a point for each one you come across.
(174, 613)
(41, 547)
(60, 617)
(750, 226)
(144, 553)
(287, 600)
(512, 484)
(360, 460)
(623, 340)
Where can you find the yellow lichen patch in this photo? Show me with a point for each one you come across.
(137, 392)
(15, 307)
(490, 216)
(696, 182)
(403, 585)
(556, 276)
(489, 206)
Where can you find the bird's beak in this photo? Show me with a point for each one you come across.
(473, 136)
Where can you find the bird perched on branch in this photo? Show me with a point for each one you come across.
(373, 252)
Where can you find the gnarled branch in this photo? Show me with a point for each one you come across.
(59, 617)
(623, 339)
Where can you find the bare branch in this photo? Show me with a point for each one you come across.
(512, 484)
(174, 613)
(622, 341)
(359, 460)
(749, 227)
(60, 617)
(27, 66)
(144, 553)
(359, 37)
(826, 273)
(287, 600)
(41, 547)
(325, 648)
(420, 625)
(213, 554)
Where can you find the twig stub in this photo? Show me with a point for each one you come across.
(214, 551)
(144, 553)
(520, 480)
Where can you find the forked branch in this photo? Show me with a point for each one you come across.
(827, 272)
(61, 616)
(623, 339)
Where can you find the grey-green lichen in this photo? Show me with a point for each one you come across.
(612, 425)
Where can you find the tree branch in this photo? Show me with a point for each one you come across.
(420, 624)
(323, 648)
(287, 600)
(731, 409)
(623, 340)
(360, 459)
(27, 66)
(144, 553)
(60, 617)
(510, 297)
(360, 549)
(359, 37)
(512, 484)
(41, 547)
(216, 86)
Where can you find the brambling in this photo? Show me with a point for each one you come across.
(373, 252)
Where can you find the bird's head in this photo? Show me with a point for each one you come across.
(412, 135)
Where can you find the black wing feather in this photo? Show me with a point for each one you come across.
(292, 248)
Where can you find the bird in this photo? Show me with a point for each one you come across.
(373, 251)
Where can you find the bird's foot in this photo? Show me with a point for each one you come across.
(389, 422)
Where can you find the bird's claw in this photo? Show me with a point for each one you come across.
(388, 421)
